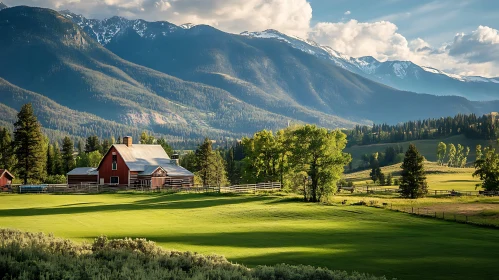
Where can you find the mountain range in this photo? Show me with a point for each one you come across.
(116, 76)
(403, 75)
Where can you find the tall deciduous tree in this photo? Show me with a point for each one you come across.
(441, 153)
(413, 184)
(319, 153)
(28, 145)
(487, 169)
(68, 161)
(452, 155)
(478, 151)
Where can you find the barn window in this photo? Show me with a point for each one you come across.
(115, 162)
(115, 180)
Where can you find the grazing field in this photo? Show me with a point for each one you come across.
(438, 177)
(428, 148)
(257, 230)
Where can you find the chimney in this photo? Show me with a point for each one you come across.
(127, 140)
(175, 159)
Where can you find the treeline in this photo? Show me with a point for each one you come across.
(452, 156)
(484, 127)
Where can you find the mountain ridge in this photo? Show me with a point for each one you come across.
(191, 82)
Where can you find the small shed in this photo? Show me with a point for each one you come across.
(83, 175)
(5, 178)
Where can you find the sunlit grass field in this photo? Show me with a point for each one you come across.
(268, 230)
(438, 177)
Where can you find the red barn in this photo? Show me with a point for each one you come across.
(137, 164)
(5, 178)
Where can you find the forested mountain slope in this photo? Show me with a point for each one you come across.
(188, 83)
(270, 73)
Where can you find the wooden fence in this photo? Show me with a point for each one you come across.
(92, 188)
(379, 189)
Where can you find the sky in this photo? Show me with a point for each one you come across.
(456, 36)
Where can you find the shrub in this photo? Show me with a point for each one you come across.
(25, 255)
(55, 179)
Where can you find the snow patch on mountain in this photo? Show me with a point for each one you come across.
(475, 79)
(105, 30)
(3, 6)
(187, 25)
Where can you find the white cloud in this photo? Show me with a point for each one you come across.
(476, 53)
(288, 16)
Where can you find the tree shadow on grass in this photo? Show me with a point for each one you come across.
(401, 251)
(157, 202)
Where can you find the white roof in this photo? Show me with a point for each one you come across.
(83, 171)
(139, 157)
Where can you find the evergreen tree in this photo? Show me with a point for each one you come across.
(168, 149)
(203, 160)
(50, 160)
(105, 146)
(7, 159)
(92, 144)
(28, 145)
(57, 160)
(68, 162)
(79, 148)
(413, 184)
(389, 179)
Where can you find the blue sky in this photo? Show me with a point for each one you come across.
(433, 21)
(456, 36)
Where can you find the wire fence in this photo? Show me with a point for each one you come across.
(474, 218)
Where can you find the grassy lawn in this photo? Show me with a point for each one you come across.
(269, 230)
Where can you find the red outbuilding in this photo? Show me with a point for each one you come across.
(5, 178)
(131, 164)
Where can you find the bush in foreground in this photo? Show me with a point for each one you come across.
(26, 255)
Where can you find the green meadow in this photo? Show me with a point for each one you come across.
(255, 230)
(438, 177)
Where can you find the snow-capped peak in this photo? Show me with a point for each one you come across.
(105, 30)
(3, 6)
(460, 77)
(187, 25)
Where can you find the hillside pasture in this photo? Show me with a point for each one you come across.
(438, 177)
(428, 148)
(255, 230)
